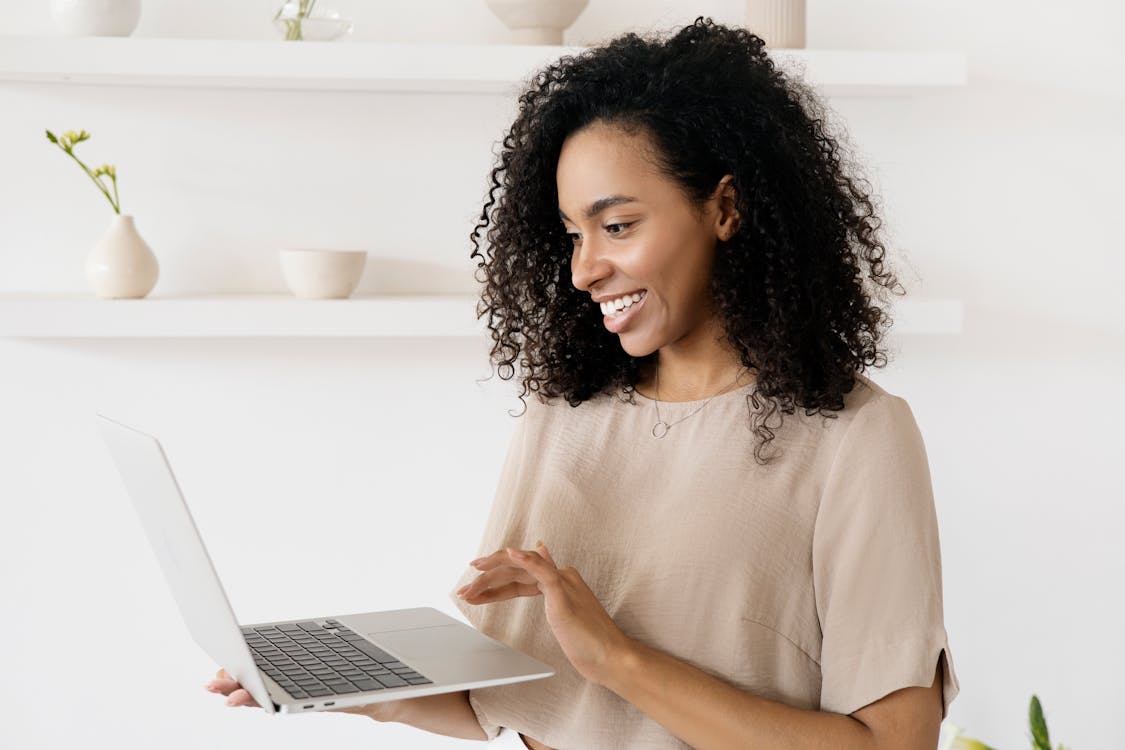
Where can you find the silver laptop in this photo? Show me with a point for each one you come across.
(314, 663)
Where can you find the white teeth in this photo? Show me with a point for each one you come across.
(612, 307)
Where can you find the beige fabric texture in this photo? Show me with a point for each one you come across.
(814, 581)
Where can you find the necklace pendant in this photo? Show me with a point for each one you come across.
(660, 429)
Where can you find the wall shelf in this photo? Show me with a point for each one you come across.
(282, 316)
(374, 66)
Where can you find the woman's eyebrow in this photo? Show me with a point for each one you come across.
(602, 204)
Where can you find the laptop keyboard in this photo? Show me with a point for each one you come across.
(308, 659)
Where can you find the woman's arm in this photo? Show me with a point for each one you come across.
(448, 713)
(708, 713)
(701, 710)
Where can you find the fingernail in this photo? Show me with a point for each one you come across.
(540, 543)
(476, 562)
(464, 588)
(230, 701)
(517, 553)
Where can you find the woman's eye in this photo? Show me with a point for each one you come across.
(574, 236)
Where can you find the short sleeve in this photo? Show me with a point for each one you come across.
(877, 564)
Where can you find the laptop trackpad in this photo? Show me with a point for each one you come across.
(425, 643)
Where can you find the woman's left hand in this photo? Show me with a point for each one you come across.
(587, 634)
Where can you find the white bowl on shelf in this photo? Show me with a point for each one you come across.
(537, 21)
(96, 17)
(322, 274)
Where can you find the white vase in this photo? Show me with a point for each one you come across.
(96, 17)
(537, 21)
(780, 23)
(122, 265)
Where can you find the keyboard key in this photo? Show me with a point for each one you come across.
(297, 693)
(367, 684)
(349, 688)
(391, 681)
(317, 692)
(418, 681)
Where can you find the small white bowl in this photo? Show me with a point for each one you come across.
(323, 274)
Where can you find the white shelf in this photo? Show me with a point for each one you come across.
(372, 66)
(283, 316)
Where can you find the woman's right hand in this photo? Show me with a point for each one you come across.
(239, 696)
(228, 686)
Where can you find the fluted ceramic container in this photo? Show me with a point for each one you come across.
(537, 21)
(96, 17)
(122, 265)
(780, 23)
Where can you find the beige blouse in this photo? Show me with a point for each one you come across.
(814, 581)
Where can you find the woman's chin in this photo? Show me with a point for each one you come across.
(634, 345)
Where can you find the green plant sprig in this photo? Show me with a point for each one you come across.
(293, 25)
(1040, 739)
(67, 142)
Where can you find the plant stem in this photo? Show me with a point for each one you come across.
(116, 200)
(97, 182)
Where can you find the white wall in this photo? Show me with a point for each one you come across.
(1005, 193)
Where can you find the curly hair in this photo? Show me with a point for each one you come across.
(787, 285)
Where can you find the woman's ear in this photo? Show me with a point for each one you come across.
(728, 219)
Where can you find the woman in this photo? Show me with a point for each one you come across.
(676, 259)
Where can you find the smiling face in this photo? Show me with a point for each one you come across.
(645, 237)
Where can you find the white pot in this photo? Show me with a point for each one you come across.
(96, 17)
(322, 274)
(537, 21)
(780, 23)
(122, 265)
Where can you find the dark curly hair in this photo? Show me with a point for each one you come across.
(788, 284)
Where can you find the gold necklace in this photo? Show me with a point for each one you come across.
(660, 429)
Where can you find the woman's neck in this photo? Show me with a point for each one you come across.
(692, 381)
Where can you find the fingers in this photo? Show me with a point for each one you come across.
(228, 686)
(500, 593)
(541, 568)
(241, 698)
(495, 579)
(542, 548)
(488, 562)
(507, 574)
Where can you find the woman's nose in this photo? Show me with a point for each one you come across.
(587, 265)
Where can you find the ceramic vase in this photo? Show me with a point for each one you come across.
(780, 23)
(122, 265)
(537, 21)
(96, 17)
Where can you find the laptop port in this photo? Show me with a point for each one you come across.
(330, 703)
(311, 705)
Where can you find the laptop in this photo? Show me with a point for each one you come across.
(314, 663)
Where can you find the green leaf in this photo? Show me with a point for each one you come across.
(51, 137)
(1039, 735)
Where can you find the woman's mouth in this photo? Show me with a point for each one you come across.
(617, 320)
